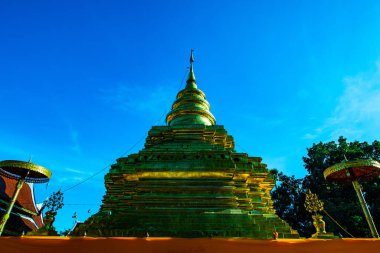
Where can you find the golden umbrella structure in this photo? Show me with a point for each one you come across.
(22, 172)
(354, 172)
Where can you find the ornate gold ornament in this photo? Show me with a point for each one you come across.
(312, 203)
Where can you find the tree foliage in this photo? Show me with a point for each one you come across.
(54, 202)
(340, 200)
(288, 200)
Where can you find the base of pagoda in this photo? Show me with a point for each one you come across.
(324, 236)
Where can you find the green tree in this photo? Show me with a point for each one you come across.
(51, 206)
(54, 202)
(288, 199)
(340, 200)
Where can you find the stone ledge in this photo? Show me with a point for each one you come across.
(178, 245)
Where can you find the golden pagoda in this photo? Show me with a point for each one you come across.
(188, 181)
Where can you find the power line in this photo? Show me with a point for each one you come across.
(337, 223)
(82, 204)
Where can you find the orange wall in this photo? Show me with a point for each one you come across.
(176, 245)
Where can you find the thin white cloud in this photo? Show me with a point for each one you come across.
(69, 179)
(357, 113)
(134, 98)
(76, 171)
(75, 142)
(309, 136)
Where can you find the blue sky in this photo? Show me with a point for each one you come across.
(83, 81)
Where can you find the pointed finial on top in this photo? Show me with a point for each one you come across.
(190, 83)
(191, 57)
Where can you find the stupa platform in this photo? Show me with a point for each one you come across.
(179, 245)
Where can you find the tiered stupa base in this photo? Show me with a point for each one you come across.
(196, 185)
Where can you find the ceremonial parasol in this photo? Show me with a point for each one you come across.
(354, 172)
(22, 172)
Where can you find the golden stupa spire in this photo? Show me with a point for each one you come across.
(191, 82)
(191, 106)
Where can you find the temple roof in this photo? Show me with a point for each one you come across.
(25, 199)
(25, 215)
(190, 106)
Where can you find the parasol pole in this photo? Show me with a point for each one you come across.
(5, 217)
(367, 214)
